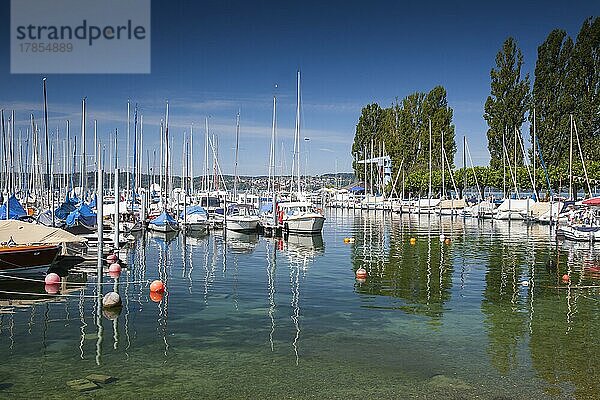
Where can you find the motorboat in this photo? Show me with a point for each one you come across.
(194, 219)
(300, 217)
(241, 218)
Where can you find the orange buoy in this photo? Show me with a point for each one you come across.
(157, 286)
(346, 240)
(413, 241)
(156, 297)
(361, 273)
(565, 278)
(447, 241)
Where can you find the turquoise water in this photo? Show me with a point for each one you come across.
(485, 315)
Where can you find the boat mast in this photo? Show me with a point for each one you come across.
(534, 155)
(128, 146)
(429, 193)
(271, 183)
(298, 132)
(571, 197)
(167, 149)
(83, 177)
(443, 196)
(47, 151)
(235, 166)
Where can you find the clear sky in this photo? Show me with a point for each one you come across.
(211, 58)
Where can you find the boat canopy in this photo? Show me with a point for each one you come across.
(266, 208)
(15, 209)
(66, 208)
(594, 201)
(191, 210)
(163, 219)
(25, 233)
(516, 205)
(82, 214)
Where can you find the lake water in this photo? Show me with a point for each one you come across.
(485, 315)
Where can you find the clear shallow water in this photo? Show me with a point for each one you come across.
(251, 317)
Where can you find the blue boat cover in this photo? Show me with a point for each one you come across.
(15, 209)
(163, 219)
(190, 210)
(82, 214)
(357, 189)
(93, 202)
(266, 208)
(66, 208)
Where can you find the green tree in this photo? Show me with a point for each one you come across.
(552, 98)
(506, 106)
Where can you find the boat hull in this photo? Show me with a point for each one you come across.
(308, 224)
(26, 257)
(242, 225)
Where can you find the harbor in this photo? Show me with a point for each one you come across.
(486, 314)
(239, 200)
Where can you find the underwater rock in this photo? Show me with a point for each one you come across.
(445, 382)
(99, 378)
(82, 385)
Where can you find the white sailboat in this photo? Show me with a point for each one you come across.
(299, 216)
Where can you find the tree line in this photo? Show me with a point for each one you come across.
(563, 100)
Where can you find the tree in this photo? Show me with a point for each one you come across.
(506, 106)
(585, 73)
(367, 132)
(552, 98)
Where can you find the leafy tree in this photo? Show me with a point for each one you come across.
(506, 106)
(552, 98)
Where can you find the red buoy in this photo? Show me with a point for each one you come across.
(361, 273)
(52, 279)
(52, 288)
(112, 258)
(115, 267)
(157, 286)
(565, 278)
(156, 297)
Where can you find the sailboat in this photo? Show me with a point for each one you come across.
(299, 216)
(164, 222)
(240, 217)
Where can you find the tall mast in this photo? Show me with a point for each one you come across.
(271, 183)
(429, 193)
(571, 194)
(134, 157)
(128, 146)
(167, 147)
(235, 166)
(83, 177)
(464, 165)
(192, 158)
(534, 155)
(205, 180)
(442, 165)
(298, 133)
(47, 150)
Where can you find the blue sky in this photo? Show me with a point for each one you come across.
(212, 58)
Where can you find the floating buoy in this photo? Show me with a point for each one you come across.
(52, 279)
(447, 241)
(52, 288)
(346, 240)
(156, 297)
(525, 283)
(111, 300)
(565, 278)
(413, 241)
(114, 275)
(157, 286)
(361, 273)
(442, 237)
(112, 258)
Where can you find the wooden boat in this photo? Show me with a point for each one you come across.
(27, 256)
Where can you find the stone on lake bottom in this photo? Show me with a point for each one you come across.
(99, 378)
(445, 382)
(111, 299)
(82, 385)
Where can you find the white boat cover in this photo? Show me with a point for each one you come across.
(518, 205)
(25, 233)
